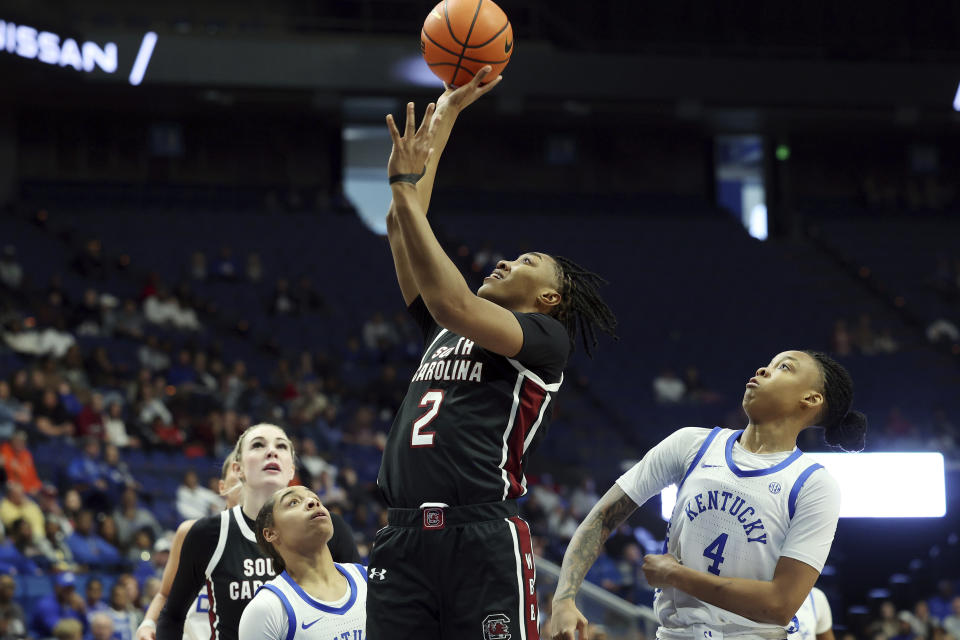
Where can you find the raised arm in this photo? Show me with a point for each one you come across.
(447, 108)
(148, 628)
(198, 546)
(608, 514)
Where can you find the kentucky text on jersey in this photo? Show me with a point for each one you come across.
(437, 367)
(731, 504)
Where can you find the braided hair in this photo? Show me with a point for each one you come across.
(581, 309)
(843, 428)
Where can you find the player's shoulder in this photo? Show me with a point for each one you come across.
(817, 476)
(354, 569)
(693, 437)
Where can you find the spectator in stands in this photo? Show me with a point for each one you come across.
(18, 462)
(160, 309)
(73, 371)
(205, 383)
(117, 473)
(308, 299)
(583, 497)
(115, 429)
(151, 355)
(921, 622)
(54, 545)
(941, 602)
(124, 621)
(668, 388)
(131, 517)
(133, 596)
(181, 372)
(951, 623)
(11, 273)
(139, 550)
(89, 422)
(129, 321)
(93, 597)
(49, 340)
(16, 505)
(378, 334)
(225, 267)
(88, 475)
(72, 505)
(184, 317)
(196, 501)
(605, 573)
(12, 412)
(25, 540)
(86, 318)
(12, 562)
(51, 417)
(90, 262)
(885, 343)
(282, 302)
(88, 548)
(152, 409)
(864, 336)
(887, 624)
(68, 629)
(63, 603)
(13, 621)
(101, 626)
(943, 330)
(254, 268)
(198, 266)
(107, 530)
(842, 342)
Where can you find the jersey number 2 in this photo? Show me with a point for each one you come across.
(715, 552)
(418, 437)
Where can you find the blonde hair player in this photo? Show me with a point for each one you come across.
(220, 552)
(313, 598)
(197, 623)
(754, 518)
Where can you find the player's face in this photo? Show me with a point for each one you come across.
(790, 383)
(518, 283)
(266, 458)
(298, 517)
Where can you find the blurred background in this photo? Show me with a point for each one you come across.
(192, 199)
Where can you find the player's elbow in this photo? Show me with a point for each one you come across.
(782, 611)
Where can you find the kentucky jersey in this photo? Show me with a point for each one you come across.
(813, 618)
(471, 417)
(282, 610)
(235, 572)
(737, 513)
(196, 626)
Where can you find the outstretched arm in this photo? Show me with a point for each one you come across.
(148, 628)
(439, 282)
(608, 514)
(447, 108)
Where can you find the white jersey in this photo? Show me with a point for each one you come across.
(282, 610)
(813, 618)
(737, 514)
(196, 626)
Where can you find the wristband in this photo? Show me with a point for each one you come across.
(147, 622)
(412, 178)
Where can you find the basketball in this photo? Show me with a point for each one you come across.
(459, 37)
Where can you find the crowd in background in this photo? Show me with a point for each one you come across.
(94, 520)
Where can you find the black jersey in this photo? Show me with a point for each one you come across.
(220, 555)
(471, 417)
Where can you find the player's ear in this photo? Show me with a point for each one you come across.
(812, 400)
(549, 299)
(221, 485)
(269, 534)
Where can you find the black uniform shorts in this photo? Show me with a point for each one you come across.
(457, 572)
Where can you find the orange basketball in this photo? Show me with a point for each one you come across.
(459, 37)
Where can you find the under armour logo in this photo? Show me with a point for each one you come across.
(379, 574)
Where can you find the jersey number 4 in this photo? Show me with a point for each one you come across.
(418, 437)
(715, 552)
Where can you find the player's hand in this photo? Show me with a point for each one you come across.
(146, 632)
(566, 620)
(413, 149)
(456, 99)
(658, 568)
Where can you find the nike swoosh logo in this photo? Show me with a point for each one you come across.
(307, 626)
(508, 46)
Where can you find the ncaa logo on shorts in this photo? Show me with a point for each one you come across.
(496, 627)
(774, 488)
(432, 518)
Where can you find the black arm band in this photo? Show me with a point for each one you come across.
(412, 178)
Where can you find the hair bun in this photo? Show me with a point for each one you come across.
(850, 434)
